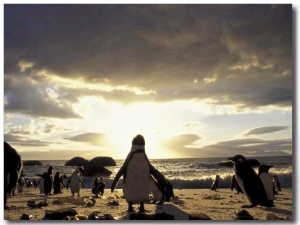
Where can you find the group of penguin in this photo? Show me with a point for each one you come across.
(140, 178)
(47, 181)
(258, 187)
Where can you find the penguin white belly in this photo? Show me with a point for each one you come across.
(267, 181)
(75, 183)
(156, 192)
(136, 186)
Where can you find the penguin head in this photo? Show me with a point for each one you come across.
(238, 159)
(264, 168)
(79, 169)
(50, 168)
(138, 140)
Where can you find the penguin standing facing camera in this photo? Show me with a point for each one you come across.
(250, 182)
(136, 172)
(267, 180)
(75, 181)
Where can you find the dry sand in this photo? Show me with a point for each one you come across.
(222, 205)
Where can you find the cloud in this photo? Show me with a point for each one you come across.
(250, 146)
(26, 96)
(25, 142)
(155, 48)
(98, 139)
(265, 130)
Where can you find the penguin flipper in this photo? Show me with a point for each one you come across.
(117, 178)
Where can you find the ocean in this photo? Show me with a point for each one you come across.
(185, 173)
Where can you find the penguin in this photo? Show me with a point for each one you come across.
(20, 184)
(156, 191)
(13, 166)
(215, 184)
(98, 187)
(164, 184)
(250, 182)
(40, 183)
(136, 172)
(235, 185)
(277, 185)
(267, 180)
(57, 183)
(75, 181)
(48, 181)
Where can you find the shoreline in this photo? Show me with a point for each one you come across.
(222, 205)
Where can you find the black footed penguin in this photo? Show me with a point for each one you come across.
(267, 180)
(12, 169)
(58, 183)
(277, 185)
(136, 172)
(98, 187)
(250, 182)
(215, 184)
(235, 185)
(48, 181)
(75, 181)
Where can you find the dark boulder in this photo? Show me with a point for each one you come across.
(102, 161)
(96, 170)
(32, 163)
(76, 161)
(59, 214)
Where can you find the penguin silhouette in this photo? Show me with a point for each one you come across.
(12, 169)
(250, 182)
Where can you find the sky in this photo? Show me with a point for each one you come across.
(196, 80)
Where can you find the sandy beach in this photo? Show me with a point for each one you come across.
(222, 205)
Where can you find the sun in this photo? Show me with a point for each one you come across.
(135, 119)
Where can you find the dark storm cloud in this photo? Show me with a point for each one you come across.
(26, 97)
(266, 130)
(233, 54)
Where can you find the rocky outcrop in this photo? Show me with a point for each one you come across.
(32, 163)
(76, 161)
(102, 160)
(96, 170)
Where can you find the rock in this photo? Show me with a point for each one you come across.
(76, 161)
(213, 197)
(156, 216)
(32, 163)
(113, 203)
(102, 161)
(244, 215)
(40, 204)
(25, 216)
(96, 170)
(199, 216)
(59, 214)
